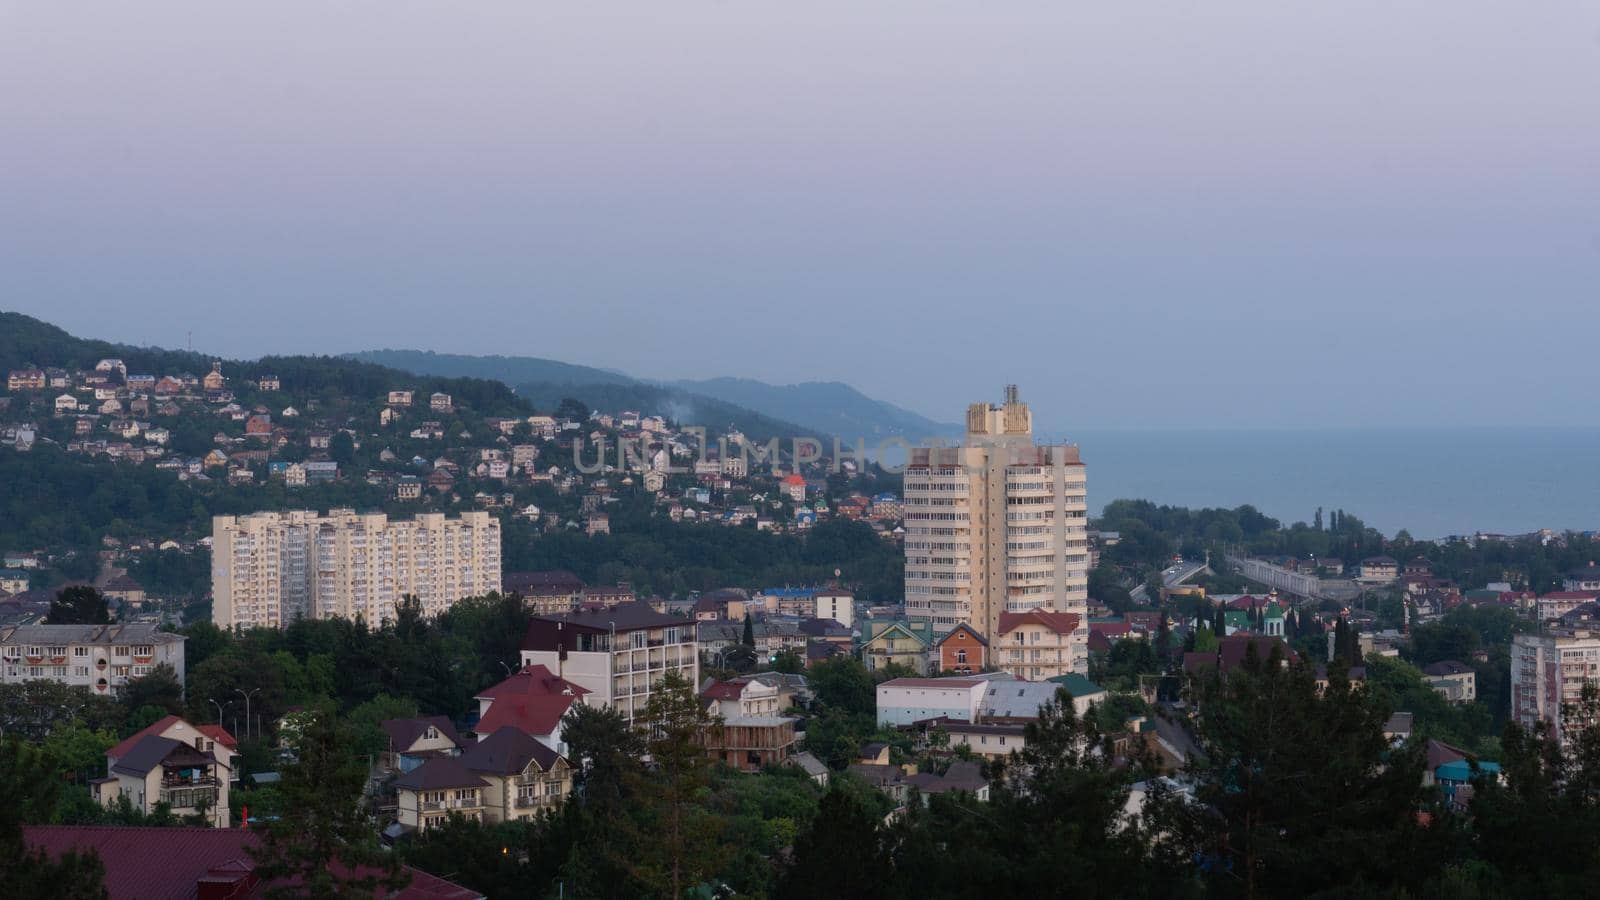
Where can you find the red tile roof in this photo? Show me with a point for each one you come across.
(144, 863)
(153, 730)
(723, 690)
(533, 700)
(962, 628)
(219, 734)
(1059, 622)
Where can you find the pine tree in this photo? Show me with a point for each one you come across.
(1302, 793)
(749, 639)
(322, 845)
(839, 855)
(678, 845)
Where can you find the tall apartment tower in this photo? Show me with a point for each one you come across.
(997, 525)
(1548, 674)
(268, 569)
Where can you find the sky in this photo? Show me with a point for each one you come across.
(1234, 213)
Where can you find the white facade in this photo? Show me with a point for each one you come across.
(1549, 671)
(619, 667)
(997, 525)
(100, 658)
(839, 606)
(902, 701)
(268, 569)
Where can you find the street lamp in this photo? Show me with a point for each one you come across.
(219, 711)
(247, 696)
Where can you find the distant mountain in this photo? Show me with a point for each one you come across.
(509, 369)
(830, 407)
(761, 410)
(546, 382)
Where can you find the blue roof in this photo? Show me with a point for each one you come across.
(1461, 770)
(788, 591)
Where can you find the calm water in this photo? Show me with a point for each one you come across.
(1432, 482)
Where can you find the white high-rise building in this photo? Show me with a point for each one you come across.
(268, 569)
(1548, 674)
(997, 525)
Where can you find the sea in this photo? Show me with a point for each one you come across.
(1432, 482)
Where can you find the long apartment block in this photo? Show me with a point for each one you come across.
(268, 569)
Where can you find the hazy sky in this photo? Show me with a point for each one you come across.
(1262, 212)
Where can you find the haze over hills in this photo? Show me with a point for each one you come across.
(818, 407)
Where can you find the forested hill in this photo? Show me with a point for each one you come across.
(26, 341)
(509, 369)
(830, 406)
(545, 382)
(819, 408)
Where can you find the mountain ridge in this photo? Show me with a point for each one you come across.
(822, 408)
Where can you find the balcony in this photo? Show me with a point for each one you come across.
(530, 802)
(174, 781)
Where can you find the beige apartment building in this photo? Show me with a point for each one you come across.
(997, 525)
(99, 658)
(269, 569)
(1548, 674)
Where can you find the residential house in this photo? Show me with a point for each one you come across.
(963, 776)
(533, 700)
(1455, 681)
(26, 380)
(1378, 570)
(545, 593)
(428, 795)
(598, 523)
(188, 767)
(214, 380)
(814, 768)
(1040, 644)
(961, 651)
(1584, 578)
(894, 643)
(124, 590)
(399, 398)
(1556, 604)
(13, 581)
(439, 402)
(413, 742)
(523, 775)
(748, 743)
(618, 654)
